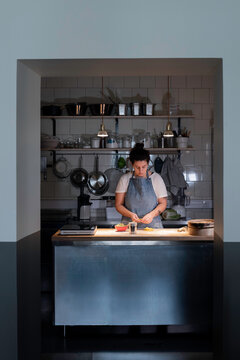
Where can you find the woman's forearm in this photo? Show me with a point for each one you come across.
(123, 211)
(159, 208)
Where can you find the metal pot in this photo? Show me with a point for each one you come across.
(76, 108)
(97, 181)
(201, 227)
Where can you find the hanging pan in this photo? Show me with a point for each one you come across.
(62, 168)
(79, 176)
(97, 181)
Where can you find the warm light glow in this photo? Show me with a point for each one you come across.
(102, 132)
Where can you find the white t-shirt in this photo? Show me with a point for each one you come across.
(157, 182)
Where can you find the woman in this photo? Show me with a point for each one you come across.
(141, 195)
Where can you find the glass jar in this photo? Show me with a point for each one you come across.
(147, 140)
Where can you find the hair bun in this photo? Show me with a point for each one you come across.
(139, 146)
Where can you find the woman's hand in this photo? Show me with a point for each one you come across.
(147, 219)
(135, 218)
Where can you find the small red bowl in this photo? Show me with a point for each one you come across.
(121, 228)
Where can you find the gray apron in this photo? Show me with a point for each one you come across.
(141, 199)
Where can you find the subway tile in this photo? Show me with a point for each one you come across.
(206, 143)
(157, 124)
(190, 189)
(178, 82)
(94, 95)
(92, 126)
(147, 82)
(136, 93)
(115, 82)
(187, 158)
(77, 126)
(46, 126)
(202, 127)
(85, 82)
(76, 93)
(189, 124)
(194, 82)
(208, 82)
(174, 99)
(207, 174)
(125, 126)
(43, 82)
(161, 81)
(196, 141)
(125, 95)
(203, 189)
(193, 173)
(74, 160)
(197, 110)
(207, 111)
(155, 95)
(201, 96)
(97, 82)
(47, 95)
(88, 160)
(61, 94)
(203, 158)
(139, 124)
(110, 125)
(204, 213)
(74, 192)
(108, 160)
(60, 82)
(211, 100)
(53, 82)
(62, 127)
(47, 189)
(131, 81)
(62, 189)
(185, 96)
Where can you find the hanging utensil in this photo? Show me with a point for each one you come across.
(62, 168)
(158, 164)
(79, 176)
(97, 181)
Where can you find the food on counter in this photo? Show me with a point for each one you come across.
(148, 229)
(121, 227)
(170, 214)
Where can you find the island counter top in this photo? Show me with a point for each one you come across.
(116, 237)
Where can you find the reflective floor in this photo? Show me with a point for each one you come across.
(128, 356)
(125, 342)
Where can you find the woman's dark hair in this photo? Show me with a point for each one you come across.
(138, 153)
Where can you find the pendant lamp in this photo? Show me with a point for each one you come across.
(102, 132)
(168, 132)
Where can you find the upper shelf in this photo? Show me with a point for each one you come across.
(109, 150)
(120, 117)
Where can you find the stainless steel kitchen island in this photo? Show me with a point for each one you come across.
(162, 277)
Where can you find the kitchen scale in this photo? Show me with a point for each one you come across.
(78, 229)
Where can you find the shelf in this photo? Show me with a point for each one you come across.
(120, 150)
(120, 117)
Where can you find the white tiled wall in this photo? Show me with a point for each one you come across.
(192, 92)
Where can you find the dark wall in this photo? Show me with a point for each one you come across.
(8, 300)
(231, 300)
(28, 279)
(20, 299)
